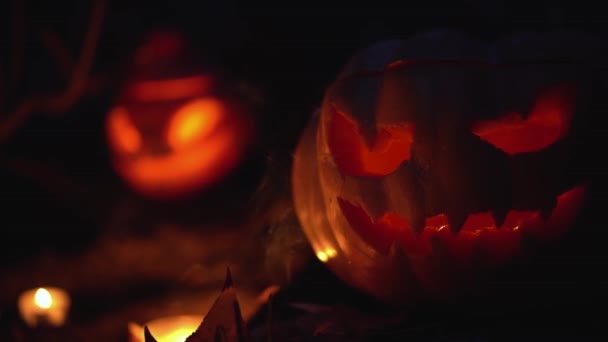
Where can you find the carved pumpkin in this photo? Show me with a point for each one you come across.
(177, 127)
(432, 159)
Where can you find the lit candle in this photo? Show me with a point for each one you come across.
(167, 329)
(44, 306)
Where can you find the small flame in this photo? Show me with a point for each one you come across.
(178, 335)
(43, 298)
(326, 254)
(167, 329)
(322, 256)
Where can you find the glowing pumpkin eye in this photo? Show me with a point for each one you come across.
(193, 121)
(548, 122)
(122, 133)
(353, 157)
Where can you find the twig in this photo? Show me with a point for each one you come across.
(57, 50)
(80, 75)
(78, 84)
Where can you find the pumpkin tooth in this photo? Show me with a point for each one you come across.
(456, 221)
(406, 197)
(547, 208)
(417, 222)
(499, 216)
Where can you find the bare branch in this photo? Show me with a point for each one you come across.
(80, 74)
(57, 50)
(16, 118)
(78, 84)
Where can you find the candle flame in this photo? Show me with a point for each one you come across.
(178, 335)
(326, 254)
(322, 256)
(43, 298)
(167, 329)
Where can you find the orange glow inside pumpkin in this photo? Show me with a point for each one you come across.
(123, 135)
(548, 122)
(196, 120)
(479, 230)
(356, 158)
(181, 171)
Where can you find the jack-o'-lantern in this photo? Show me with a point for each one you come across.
(177, 126)
(433, 159)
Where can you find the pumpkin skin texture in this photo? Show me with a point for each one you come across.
(177, 126)
(432, 160)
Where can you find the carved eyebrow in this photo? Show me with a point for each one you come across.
(355, 157)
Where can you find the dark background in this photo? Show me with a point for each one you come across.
(56, 178)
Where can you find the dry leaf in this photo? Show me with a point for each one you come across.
(223, 322)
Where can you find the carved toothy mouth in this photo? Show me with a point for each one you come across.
(479, 233)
